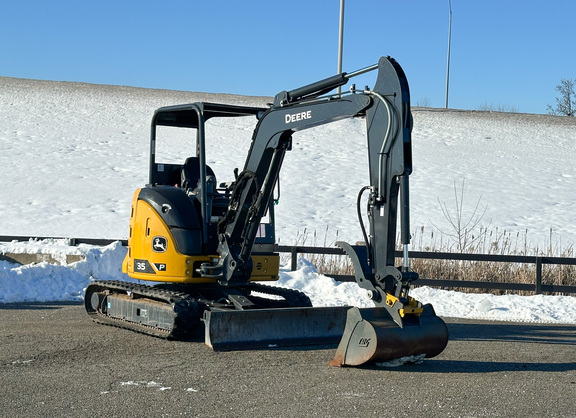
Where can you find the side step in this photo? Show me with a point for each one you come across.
(228, 330)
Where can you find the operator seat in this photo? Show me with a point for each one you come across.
(190, 174)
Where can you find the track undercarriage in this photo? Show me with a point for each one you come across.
(176, 311)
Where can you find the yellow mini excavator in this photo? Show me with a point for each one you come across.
(207, 249)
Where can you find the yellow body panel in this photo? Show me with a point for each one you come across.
(153, 255)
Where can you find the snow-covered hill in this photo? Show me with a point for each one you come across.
(71, 155)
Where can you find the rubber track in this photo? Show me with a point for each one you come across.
(187, 310)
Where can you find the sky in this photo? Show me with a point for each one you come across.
(506, 55)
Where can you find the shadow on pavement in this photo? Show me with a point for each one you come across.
(468, 366)
(39, 305)
(514, 332)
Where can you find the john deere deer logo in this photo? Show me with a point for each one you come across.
(159, 244)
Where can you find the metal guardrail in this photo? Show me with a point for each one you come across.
(72, 241)
(29, 258)
(538, 287)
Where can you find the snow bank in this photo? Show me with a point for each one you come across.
(44, 282)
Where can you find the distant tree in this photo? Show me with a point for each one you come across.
(566, 103)
(423, 102)
(489, 107)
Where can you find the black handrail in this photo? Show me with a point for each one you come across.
(536, 287)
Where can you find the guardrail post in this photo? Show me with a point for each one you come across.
(294, 259)
(538, 289)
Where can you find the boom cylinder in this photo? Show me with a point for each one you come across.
(320, 87)
(405, 216)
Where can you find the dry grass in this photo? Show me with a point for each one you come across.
(497, 242)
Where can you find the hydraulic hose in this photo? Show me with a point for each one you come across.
(391, 111)
(362, 226)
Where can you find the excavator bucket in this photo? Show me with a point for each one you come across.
(267, 328)
(371, 336)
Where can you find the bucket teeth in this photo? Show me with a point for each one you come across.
(371, 335)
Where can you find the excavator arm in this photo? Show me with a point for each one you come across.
(255, 184)
(399, 325)
(388, 124)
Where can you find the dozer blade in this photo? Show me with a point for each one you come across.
(371, 335)
(281, 327)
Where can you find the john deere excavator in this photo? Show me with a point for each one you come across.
(206, 248)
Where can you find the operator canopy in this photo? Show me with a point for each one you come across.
(187, 115)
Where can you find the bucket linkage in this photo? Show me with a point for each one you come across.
(399, 326)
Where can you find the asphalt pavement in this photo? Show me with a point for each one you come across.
(54, 361)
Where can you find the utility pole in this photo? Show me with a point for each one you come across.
(448, 59)
(340, 42)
